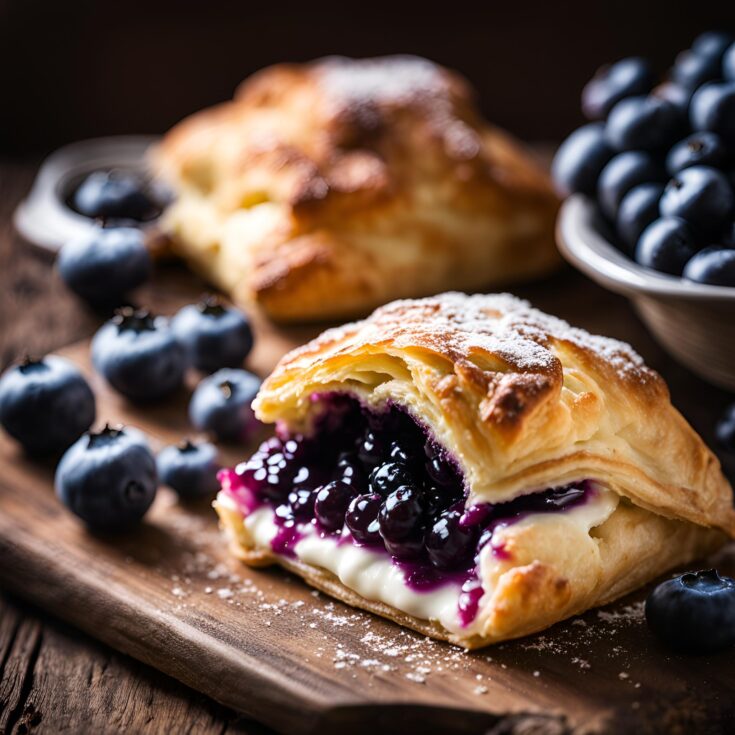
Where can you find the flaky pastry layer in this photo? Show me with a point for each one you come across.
(325, 189)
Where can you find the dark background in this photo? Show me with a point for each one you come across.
(82, 68)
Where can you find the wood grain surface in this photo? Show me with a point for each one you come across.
(264, 644)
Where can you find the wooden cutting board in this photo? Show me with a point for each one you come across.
(265, 644)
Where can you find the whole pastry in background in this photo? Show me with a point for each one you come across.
(325, 189)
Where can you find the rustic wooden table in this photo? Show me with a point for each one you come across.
(53, 678)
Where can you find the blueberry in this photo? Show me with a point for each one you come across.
(104, 264)
(725, 431)
(139, 355)
(713, 108)
(108, 478)
(45, 404)
(698, 149)
(712, 44)
(410, 548)
(401, 515)
(270, 473)
(580, 159)
(702, 196)
(692, 70)
(350, 469)
(114, 194)
(216, 336)
(386, 478)
(644, 123)
(728, 64)
(666, 245)
(221, 404)
(625, 78)
(638, 209)
(676, 94)
(362, 518)
(371, 448)
(621, 174)
(728, 238)
(450, 545)
(439, 469)
(331, 503)
(301, 503)
(190, 469)
(694, 613)
(715, 266)
(402, 453)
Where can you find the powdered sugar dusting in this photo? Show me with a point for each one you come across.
(500, 331)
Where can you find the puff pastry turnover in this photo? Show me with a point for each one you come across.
(473, 469)
(326, 189)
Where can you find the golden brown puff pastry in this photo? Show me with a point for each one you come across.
(579, 480)
(326, 189)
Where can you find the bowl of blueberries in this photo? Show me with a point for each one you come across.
(650, 198)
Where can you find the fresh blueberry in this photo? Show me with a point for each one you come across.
(622, 173)
(190, 469)
(108, 478)
(692, 70)
(362, 518)
(104, 264)
(725, 431)
(221, 404)
(666, 245)
(449, 544)
(694, 613)
(676, 94)
(139, 355)
(387, 477)
(638, 209)
(114, 194)
(715, 266)
(331, 504)
(728, 64)
(625, 78)
(702, 196)
(580, 159)
(712, 44)
(215, 335)
(45, 404)
(713, 108)
(643, 123)
(401, 514)
(698, 149)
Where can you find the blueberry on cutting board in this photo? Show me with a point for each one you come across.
(139, 355)
(108, 478)
(694, 613)
(45, 404)
(221, 405)
(190, 469)
(105, 264)
(216, 336)
(116, 194)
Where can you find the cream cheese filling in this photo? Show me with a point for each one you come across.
(374, 576)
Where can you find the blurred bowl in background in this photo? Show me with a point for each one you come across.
(694, 322)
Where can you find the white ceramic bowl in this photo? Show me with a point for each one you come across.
(694, 322)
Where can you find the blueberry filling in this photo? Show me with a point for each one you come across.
(378, 480)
